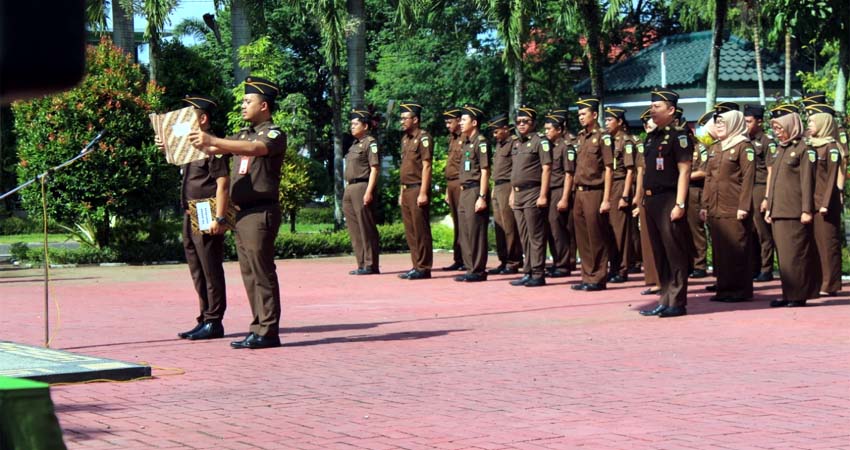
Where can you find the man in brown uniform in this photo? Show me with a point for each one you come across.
(259, 151)
(699, 242)
(474, 184)
(668, 155)
(362, 165)
(508, 243)
(594, 174)
(530, 172)
(205, 251)
(561, 182)
(452, 119)
(415, 190)
(620, 217)
(650, 273)
(764, 148)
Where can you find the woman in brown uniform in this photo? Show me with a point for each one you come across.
(362, 164)
(727, 200)
(827, 221)
(790, 203)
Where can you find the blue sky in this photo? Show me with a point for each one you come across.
(186, 9)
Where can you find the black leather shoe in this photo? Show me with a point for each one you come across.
(406, 275)
(497, 270)
(698, 273)
(654, 311)
(367, 271)
(718, 298)
(509, 271)
(711, 288)
(521, 282)
(460, 278)
(634, 270)
(455, 266)
(185, 334)
(592, 287)
(796, 303)
(763, 277)
(355, 271)
(263, 342)
(210, 330)
(617, 278)
(779, 303)
(475, 277)
(244, 342)
(536, 282)
(673, 311)
(419, 275)
(579, 287)
(558, 273)
(650, 291)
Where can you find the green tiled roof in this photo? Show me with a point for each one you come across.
(687, 64)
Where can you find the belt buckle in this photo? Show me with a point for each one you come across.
(516, 188)
(649, 193)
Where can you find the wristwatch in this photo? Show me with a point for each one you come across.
(221, 220)
(482, 196)
(681, 205)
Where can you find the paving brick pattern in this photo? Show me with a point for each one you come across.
(381, 363)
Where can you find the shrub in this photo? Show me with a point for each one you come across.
(316, 215)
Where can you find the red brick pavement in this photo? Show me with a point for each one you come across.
(377, 362)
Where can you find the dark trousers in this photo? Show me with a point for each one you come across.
(473, 232)
(620, 221)
(417, 230)
(828, 240)
(256, 230)
(592, 236)
(360, 221)
(730, 239)
(699, 243)
(799, 268)
(508, 242)
(453, 198)
(557, 231)
(763, 235)
(670, 247)
(650, 273)
(205, 255)
(532, 229)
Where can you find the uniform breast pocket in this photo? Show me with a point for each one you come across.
(793, 162)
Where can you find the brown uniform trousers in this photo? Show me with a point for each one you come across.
(557, 229)
(452, 173)
(473, 225)
(791, 193)
(696, 226)
(416, 148)
(530, 154)
(254, 189)
(650, 275)
(728, 188)
(670, 240)
(593, 155)
(508, 242)
(359, 218)
(827, 227)
(620, 220)
(205, 255)
(763, 237)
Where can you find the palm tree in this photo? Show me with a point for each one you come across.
(240, 29)
(122, 22)
(356, 43)
(720, 9)
(156, 12)
(752, 13)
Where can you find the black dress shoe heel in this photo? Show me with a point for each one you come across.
(593, 287)
(244, 342)
(460, 278)
(210, 330)
(673, 311)
(521, 282)
(185, 334)
(654, 311)
(579, 287)
(536, 282)
(496, 270)
(264, 342)
(475, 277)
(779, 303)
(419, 275)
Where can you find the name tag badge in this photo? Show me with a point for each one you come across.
(243, 165)
(659, 164)
(467, 165)
(204, 215)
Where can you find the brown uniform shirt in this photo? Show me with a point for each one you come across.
(826, 174)
(729, 180)
(792, 183)
(530, 154)
(664, 148)
(700, 160)
(414, 150)
(593, 155)
(361, 156)
(257, 178)
(639, 148)
(502, 159)
(475, 155)
(453, 157)
(563, 162)
(763, 145)
(624, 154)
(199, 178)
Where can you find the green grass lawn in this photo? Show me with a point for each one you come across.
(34, 237)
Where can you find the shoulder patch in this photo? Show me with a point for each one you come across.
(482, 146)
(703, 155)
(545, 144)
(812, 155)
(607, 139)
(425, 142)
(640, 148)
(842, 137)
(834, 155)
(373, 147)
(571, 153)
(772, 147)
(629, 148)
(273, 134)
(751, 154)
(683, 141)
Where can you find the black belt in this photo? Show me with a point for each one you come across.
(257, 204)
(470, 185)
(452, 179)
(413, 185)
(358, 180)
(501, 182)
(589, 188)
(520, 187)
(619, 179)
(659, 191)
(762, 184)
(697, 184)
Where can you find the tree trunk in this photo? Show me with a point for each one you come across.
(590, 15)
(787, 92)
(843, 73)
(757, 50)
(240, 29)
(338, 156)
(356, 44)
(720, 8)
(153, 45)
(518, 76)
(122, 30)
(292, 221)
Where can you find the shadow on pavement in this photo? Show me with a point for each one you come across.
(401, 336)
